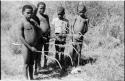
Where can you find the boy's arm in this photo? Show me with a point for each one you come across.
(67, 27)
(68, 31)
(49, 31)
(53, 27)
(21, 36)
(72, 25)
(86, 25)
(35, 22)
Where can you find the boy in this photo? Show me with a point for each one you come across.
(61, 26)
(28, 36)
(80, 27)
(45, 29)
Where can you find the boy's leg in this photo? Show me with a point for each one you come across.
(59, 54)
(31, 62)
(39, 47)
(25, 71)
(25, 52)
(31, 72)
(78, 55)
(75, 55)
(46, 48)
(38, 57)
(62, 53)
(62, 60)
(57, 49)
(80, 48)
(39, 60)
(36, 63)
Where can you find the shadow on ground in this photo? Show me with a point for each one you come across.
(53, 70)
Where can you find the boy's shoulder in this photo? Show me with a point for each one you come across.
(22, 21)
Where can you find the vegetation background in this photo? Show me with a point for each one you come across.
(104, 40)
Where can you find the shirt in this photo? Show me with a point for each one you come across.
(61, 26)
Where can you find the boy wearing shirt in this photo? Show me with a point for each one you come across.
(61, 26)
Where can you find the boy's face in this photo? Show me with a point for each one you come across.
(41, 9)
(27, 13)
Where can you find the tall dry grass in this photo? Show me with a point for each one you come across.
(104, 40)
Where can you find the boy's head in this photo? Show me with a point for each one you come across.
(41, 6)
(81, 10)
(60, 12)
(27, 11)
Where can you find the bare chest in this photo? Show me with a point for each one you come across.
(79, 25)
(44, 25)
(80, 21)
(42, 19)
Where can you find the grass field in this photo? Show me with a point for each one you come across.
(104, 41)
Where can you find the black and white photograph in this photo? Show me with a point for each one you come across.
(62, 40)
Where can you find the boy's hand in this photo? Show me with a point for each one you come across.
(45, 38)
(33, 49)
(86, 19)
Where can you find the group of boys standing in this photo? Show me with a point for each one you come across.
(34, 33)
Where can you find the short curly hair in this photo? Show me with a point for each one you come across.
(41, 3)
(26, 7)
(61, 10)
